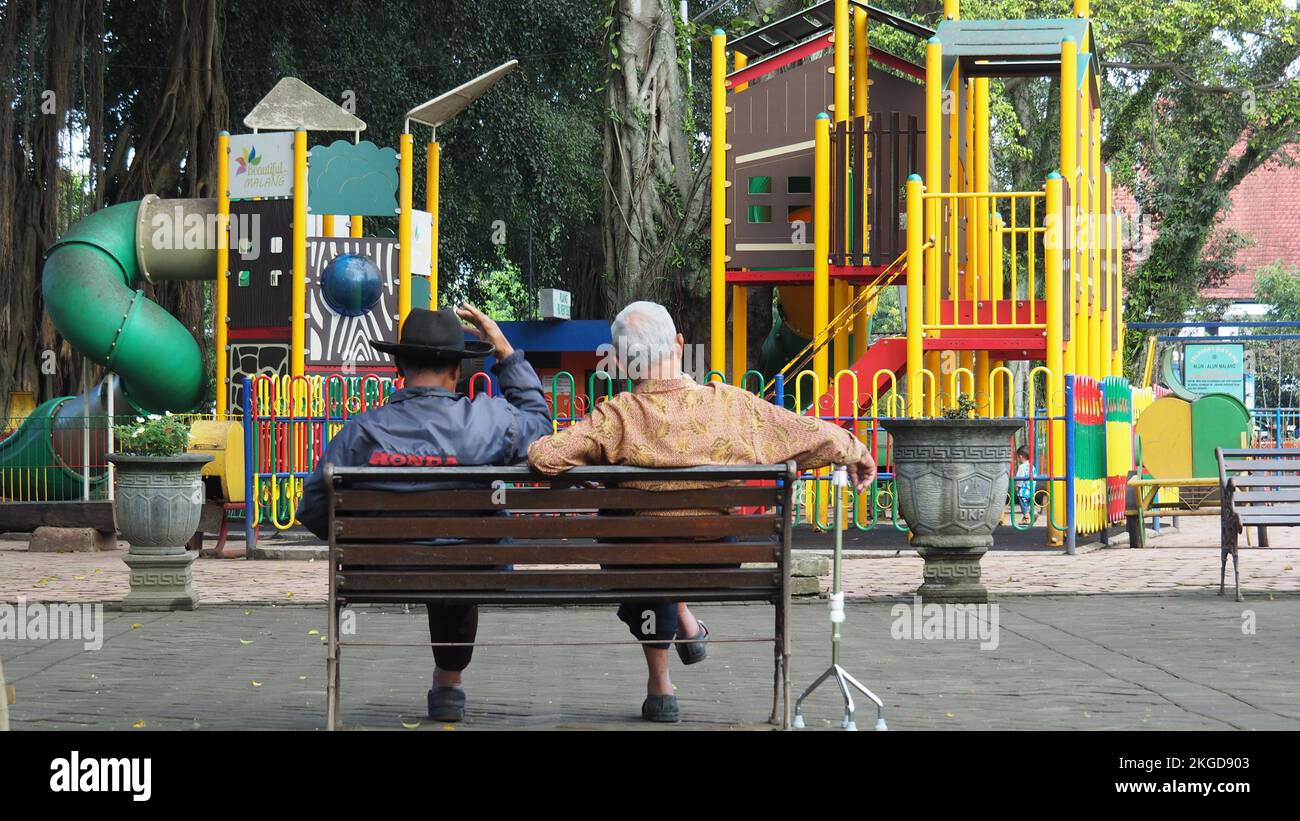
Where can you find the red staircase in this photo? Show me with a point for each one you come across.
(888, 354)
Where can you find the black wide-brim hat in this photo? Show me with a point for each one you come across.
(433, 333)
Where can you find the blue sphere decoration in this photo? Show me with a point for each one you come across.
(351, 284)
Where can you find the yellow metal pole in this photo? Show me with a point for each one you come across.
(741, 61)
(222, 308)
(1080, 8)
(842, 54)
(739, 332)
(915, 292)
(297, 322)
(861, 96)
(1069, 177)
(932, 285)
(1053, 285)
(327, 224)
(952, 9)
(356, 227)
(718, 208)
(821, 241)
(1118, 356)
(999, 385)
(982, 227)
(841, 110)
(968, 289)
(404, 185)
(1095, 357)
(1108, 239)
(431, 171)
(1083, 213)
(947, 254)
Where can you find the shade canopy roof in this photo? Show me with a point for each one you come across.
(782, 34)
(293, 104)
(445, 106)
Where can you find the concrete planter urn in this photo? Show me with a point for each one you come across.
(158, 501)
(951, 478)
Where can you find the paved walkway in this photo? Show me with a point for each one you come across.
(1174, 562)
(1078, 662)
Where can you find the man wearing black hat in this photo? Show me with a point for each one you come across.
(428, 423)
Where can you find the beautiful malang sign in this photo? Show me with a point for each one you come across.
(260, 165)
(1218, 367)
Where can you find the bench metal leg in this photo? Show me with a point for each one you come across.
(777, 668)
(786, 708)
(1229, 546)
(1263, 537)
(1236, 576)
(332, 667)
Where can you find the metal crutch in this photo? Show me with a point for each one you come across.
(839, 483)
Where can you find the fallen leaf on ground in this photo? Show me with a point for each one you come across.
(138, 724)
(79, 578)
(949, 715)
(313, 632)
(256, 683)
(289, 594)
(245, 642)
(410, 726)
(248, 612)
(136, 626)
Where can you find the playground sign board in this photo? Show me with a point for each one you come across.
(260, 165)
(1217, 367)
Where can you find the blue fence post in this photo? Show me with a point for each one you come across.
(779, 398)
(1071, 527)
(250, 465)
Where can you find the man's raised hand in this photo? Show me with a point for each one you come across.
(485, 328)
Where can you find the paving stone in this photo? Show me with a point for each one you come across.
(71, 540)
(1074, 662)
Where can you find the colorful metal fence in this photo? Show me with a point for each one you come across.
(293, 418)
(289, 422)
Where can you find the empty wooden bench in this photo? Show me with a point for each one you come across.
(380, 550)
(1261, 488)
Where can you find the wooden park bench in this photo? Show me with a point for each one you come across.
(380, 550)
(1260, 488)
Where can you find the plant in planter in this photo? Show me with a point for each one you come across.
(951, 475)
(158, 500)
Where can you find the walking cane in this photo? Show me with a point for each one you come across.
(839, 483)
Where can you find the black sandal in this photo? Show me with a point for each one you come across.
(661, 708)
(695, 650)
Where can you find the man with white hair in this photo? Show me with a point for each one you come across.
(668, 420)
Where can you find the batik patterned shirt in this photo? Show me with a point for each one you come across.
(678, 423)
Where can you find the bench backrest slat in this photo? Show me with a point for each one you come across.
(1261, 485)
(565, 537)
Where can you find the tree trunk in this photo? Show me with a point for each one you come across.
(654, 195)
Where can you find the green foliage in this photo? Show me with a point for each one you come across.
(503, 294)
(964, 409)
(1279, 288)
(526, 154)
(153, 436)
(888, 318)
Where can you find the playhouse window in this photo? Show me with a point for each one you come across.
(799, 213)
(760, 213)
(760, 185)
(799, 185)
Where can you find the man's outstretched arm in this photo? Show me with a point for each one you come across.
(520, 387)
(782, 435)
(591, 441)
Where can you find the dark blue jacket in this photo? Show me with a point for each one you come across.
(434, 426)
